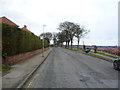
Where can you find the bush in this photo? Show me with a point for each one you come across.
(4, 55)
(15, 40)
(5, 67)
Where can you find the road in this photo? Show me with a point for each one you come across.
(69, 69)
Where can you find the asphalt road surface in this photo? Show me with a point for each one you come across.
(69, 69)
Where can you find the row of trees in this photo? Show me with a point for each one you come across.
(68, 30)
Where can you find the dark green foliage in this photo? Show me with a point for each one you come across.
(15, 40)
(4, 55)
(5, 67)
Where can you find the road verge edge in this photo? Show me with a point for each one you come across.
(32, 72)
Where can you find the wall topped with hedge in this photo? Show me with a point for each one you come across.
(15, 41)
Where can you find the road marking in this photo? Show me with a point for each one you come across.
(29, 85)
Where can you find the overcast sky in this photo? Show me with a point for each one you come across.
(98, 16)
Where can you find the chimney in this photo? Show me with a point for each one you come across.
(25, 26)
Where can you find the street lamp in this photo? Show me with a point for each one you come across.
(83, 42)
(43, 42)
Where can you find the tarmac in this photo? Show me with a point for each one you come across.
(20, 72)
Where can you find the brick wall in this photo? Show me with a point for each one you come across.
(11, 60)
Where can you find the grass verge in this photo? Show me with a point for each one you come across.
(107, 54)
(5, 67)
(91, 54)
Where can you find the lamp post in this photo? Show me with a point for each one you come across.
(43, 42)
(83, 42)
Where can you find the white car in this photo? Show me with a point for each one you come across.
(116, 64)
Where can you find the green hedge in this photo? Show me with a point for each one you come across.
(15, 41)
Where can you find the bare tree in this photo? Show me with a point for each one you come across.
(54, 36)
(68, 29)
(61, 38)
(71, 30)
(64, 27)
(80, 32)
(47, 36)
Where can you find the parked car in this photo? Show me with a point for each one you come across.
(87, 50)
(116, 64)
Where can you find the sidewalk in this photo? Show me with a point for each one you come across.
(19, 71)
(104, 56)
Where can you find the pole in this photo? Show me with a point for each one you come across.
(43, 41)
(83, 42)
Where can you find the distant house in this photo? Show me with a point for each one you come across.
(25, 28)
(7, 21)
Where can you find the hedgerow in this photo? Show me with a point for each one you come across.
(15, 40)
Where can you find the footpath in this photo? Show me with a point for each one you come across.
(97, 54)
(104, 56)
(20, 72)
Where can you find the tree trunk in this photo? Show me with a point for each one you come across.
(66, 44)
(78, 44)
(71, 43)
(60, 44)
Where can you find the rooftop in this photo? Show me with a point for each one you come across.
(25, 28)
(7, 21)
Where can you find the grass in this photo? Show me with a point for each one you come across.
(5, 67)
(92, 54)
(107, 54)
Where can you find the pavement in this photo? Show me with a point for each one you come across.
(104, 56)
(0, 80)
(22, 70)
(64, 68)
(101, 55)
